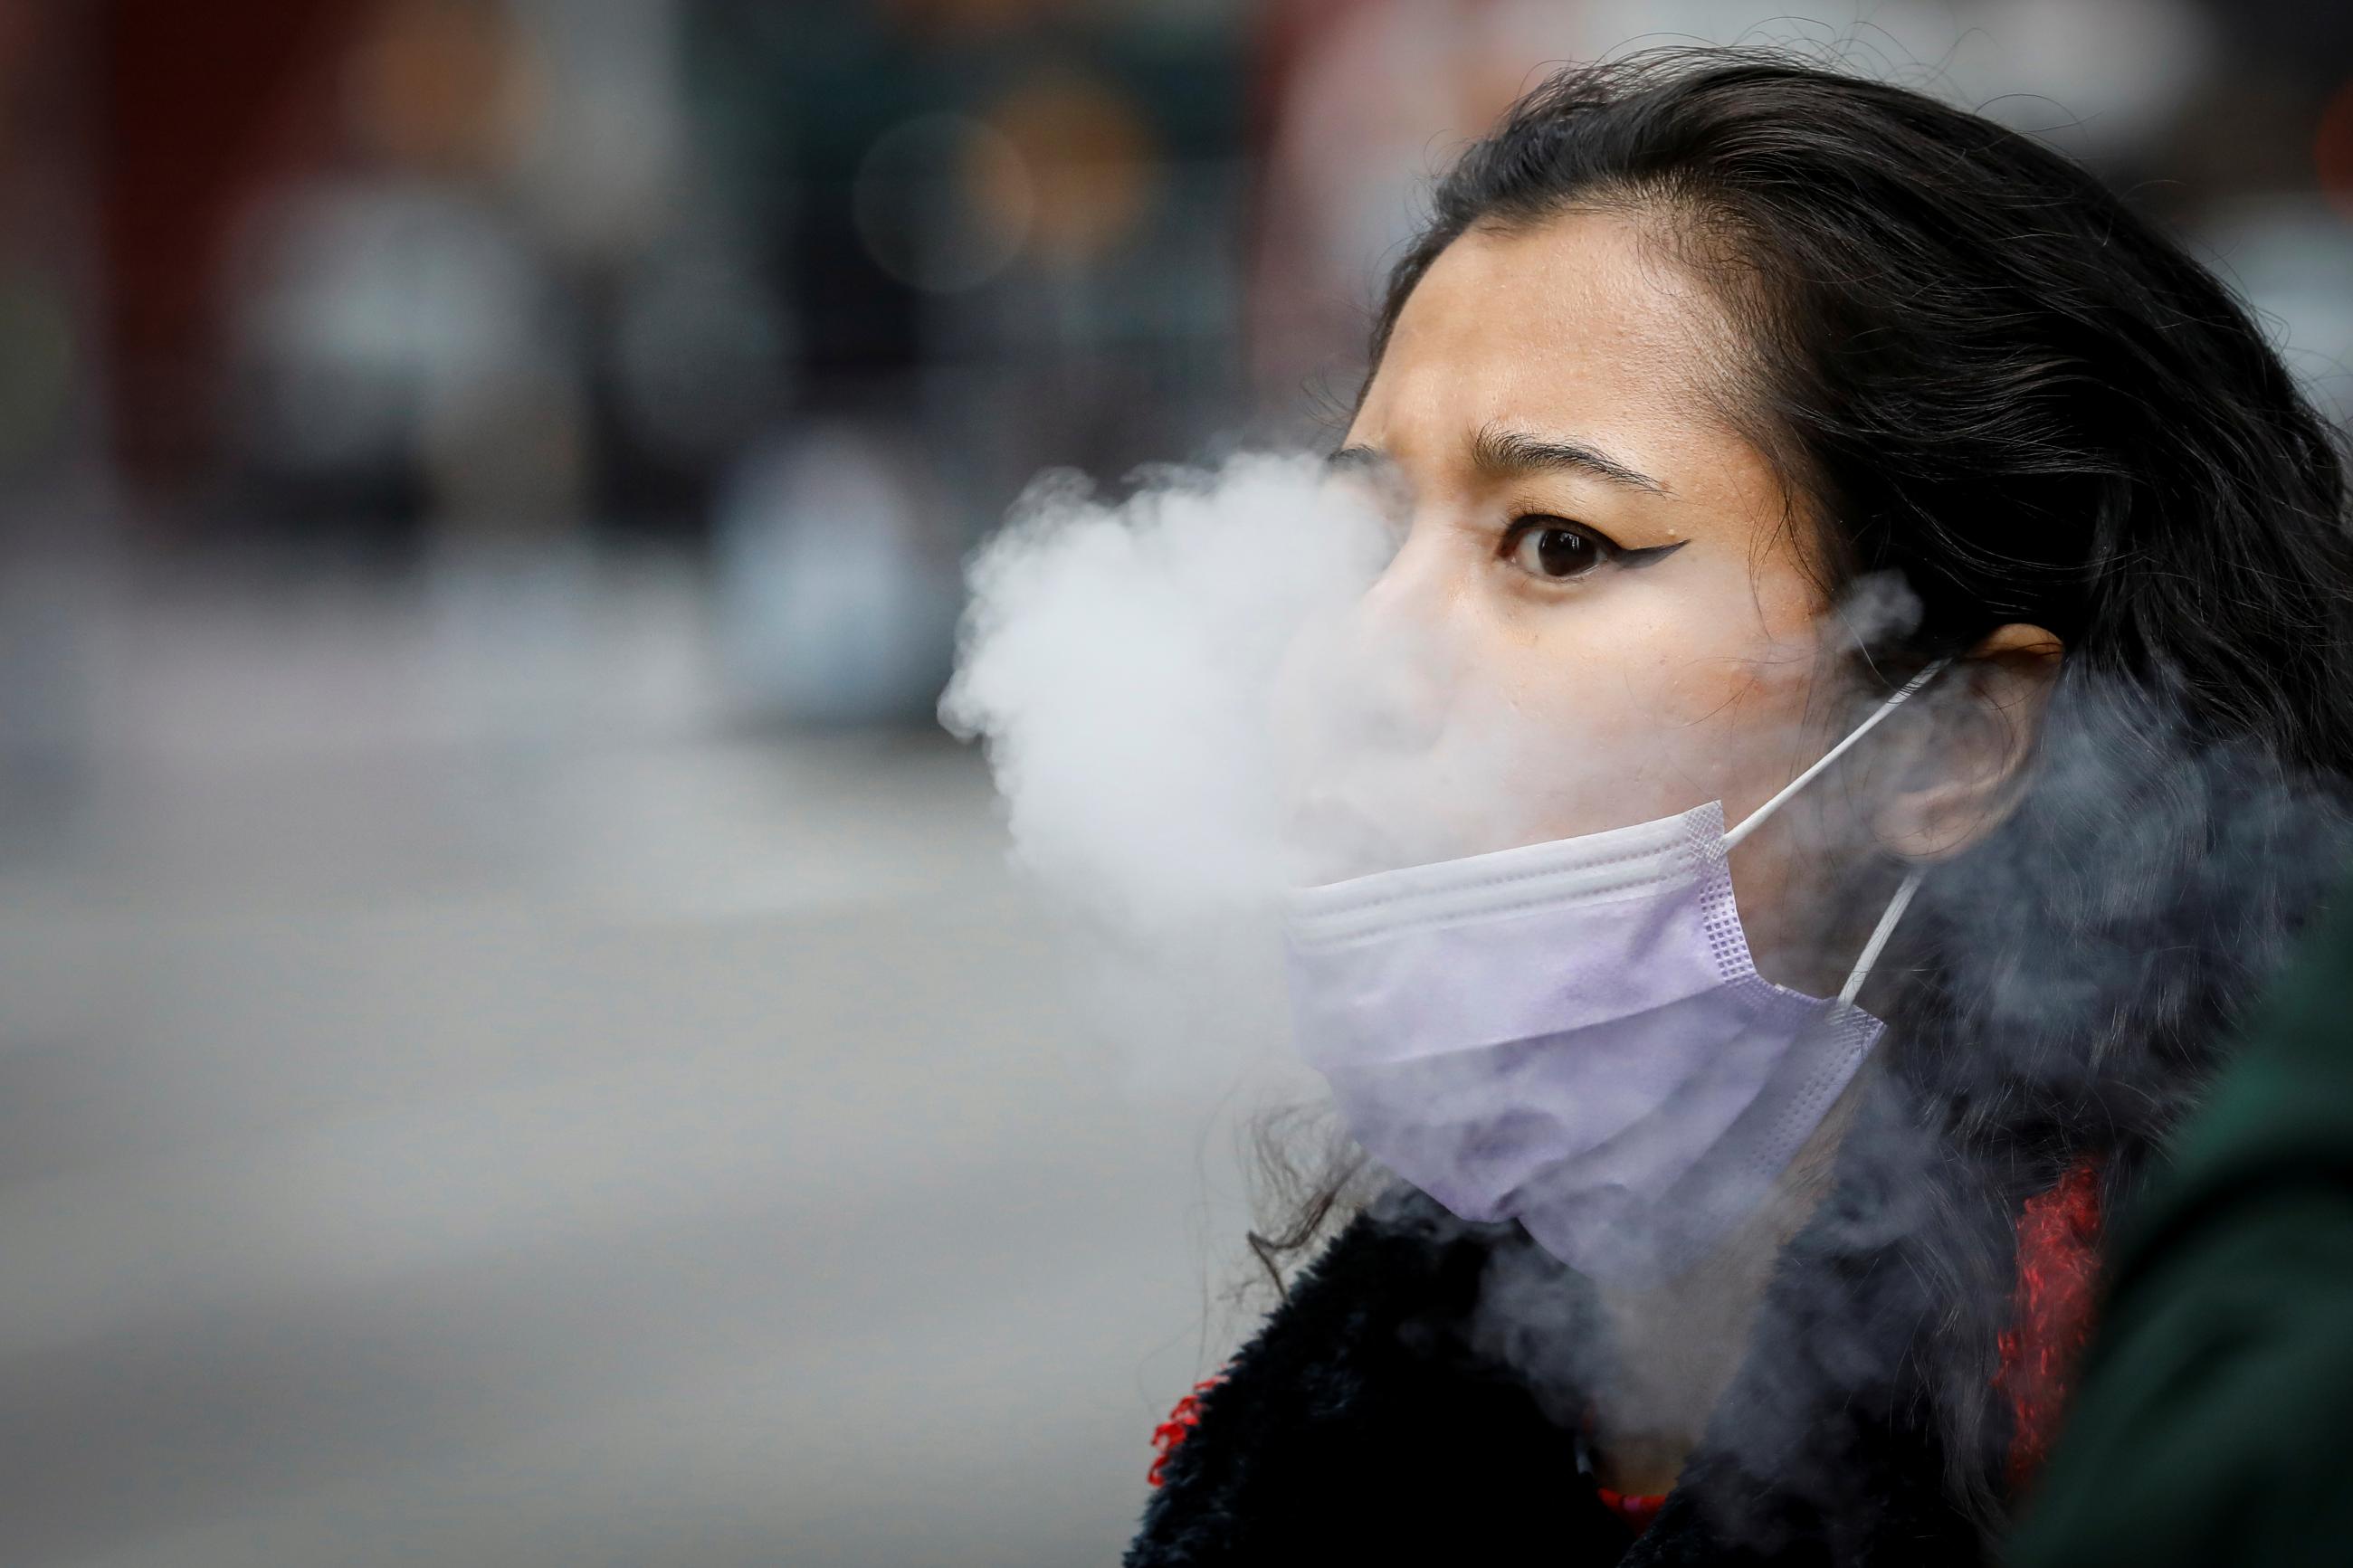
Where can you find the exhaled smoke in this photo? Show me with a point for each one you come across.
(1120, 660)
(1189, 708)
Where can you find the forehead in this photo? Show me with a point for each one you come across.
(1579, 326)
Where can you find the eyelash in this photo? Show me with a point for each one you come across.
(1535, 524)
(1609, 552)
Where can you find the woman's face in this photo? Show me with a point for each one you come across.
(1597, 613)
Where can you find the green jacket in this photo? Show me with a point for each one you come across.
(2214, 1422)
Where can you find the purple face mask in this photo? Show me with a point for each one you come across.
(1572, 1034)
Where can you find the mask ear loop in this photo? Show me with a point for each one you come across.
(1896, 905)
(1879, 935)
(1750, 822)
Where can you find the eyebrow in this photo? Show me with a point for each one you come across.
(1501, 452)
(1506, 453)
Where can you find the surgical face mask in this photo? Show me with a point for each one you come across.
(1573, 1034)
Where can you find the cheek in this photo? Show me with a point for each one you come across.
(1487, 721)
(1650, 705)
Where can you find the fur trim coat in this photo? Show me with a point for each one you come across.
(1368, 1424)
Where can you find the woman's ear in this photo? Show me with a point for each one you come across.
(1964, 775)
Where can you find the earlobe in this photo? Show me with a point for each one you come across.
(1971, 770)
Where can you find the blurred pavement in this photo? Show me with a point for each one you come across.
(624, 1144)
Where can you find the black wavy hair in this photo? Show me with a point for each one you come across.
(1978, 370)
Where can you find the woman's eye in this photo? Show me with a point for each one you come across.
(1550, 548)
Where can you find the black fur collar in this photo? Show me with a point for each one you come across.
(1360, 1427)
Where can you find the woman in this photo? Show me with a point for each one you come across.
(1724, 400)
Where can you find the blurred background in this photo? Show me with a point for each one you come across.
(517, 1043)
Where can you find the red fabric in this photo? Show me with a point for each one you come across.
(1181, 1420)
(1637, 1509)
(2051, 1313)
